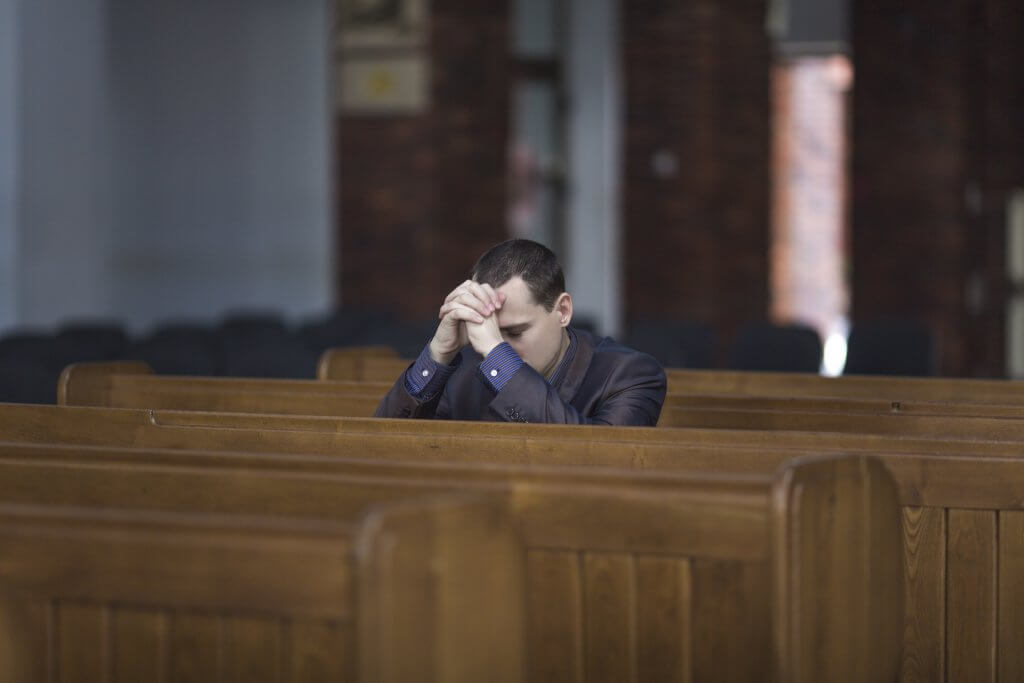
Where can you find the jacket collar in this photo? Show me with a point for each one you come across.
(578, 366)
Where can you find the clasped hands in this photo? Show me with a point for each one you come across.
(469, 315)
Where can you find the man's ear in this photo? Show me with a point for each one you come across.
(563, 306)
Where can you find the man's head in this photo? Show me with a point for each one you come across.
(533, 262)
(537, 308)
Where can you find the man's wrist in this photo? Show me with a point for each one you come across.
(425, 378)
(443, 358)
(500, 366)
(490, 346)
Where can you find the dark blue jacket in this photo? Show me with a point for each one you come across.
(605, 383)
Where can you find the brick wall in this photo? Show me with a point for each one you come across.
(420, 197)
(936, 146)
(695, 238)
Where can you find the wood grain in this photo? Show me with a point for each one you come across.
(728, 594)
(554, 626)
(319, 651)
(664, 625)
(609, 609)
(82, 633)
(139, 645)
(924, 573)
(1011, 596)
(195, 652)
(971, 597)
(253, 650)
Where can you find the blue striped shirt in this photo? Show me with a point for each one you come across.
(426, 377)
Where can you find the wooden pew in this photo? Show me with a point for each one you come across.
(131, 385)
(680, 576)
(954, 495)
(781, 384)
(740, 383)
(100, 594)
(431, 440)
(351, 365)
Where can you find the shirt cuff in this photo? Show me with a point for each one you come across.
(499, 366)
(427, 377)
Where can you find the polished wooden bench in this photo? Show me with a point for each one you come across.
(781, 384)
(353, 364)
(338, 364)
(131, 593)
(793, 576)
(954, 495)
(129, 385)
(946, 489)
(133, 384)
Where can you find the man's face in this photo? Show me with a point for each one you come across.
(534, 333)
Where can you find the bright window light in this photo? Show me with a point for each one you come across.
(835, 355)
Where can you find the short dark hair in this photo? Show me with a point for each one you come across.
(535, 263)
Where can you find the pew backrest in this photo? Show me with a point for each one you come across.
(958, 498)
(604, 550)
(783, 384)
(132, 385)
(120, 594)
(352, 365)
(379, 367)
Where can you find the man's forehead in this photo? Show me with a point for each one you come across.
(518, 293)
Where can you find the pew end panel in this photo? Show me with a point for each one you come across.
(349, 362)
(125, 595)
(90, 384)
(839, 572)
(89, 593)
(468, 601)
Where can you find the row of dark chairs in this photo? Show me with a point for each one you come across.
(251, 344)
(880, 347)
(258, 344)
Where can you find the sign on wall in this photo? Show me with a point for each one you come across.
(381, 56)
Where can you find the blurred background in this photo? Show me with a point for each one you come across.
(231, 186)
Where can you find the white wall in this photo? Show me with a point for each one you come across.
(63, 162)
(175, 158)
(595, 123)
(8, 161)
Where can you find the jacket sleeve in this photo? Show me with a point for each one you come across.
(398, 402)
(632, 394)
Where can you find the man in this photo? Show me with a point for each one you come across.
(503, 350)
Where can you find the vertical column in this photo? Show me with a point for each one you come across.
(8, 162)
(594, 83)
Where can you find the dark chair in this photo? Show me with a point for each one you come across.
(344, 327)
(26, 380)
(890, 347)
(406, 337)
(181, 348)
(675, 343)
(244, 323)
(25, 344)
(269, 356)
(771, 347)
(242, 331)
(37, 347)
(94, 340)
